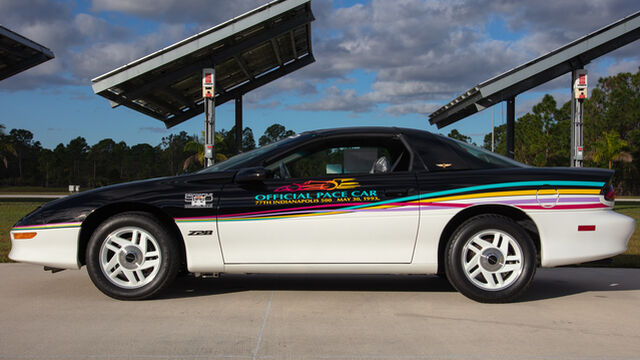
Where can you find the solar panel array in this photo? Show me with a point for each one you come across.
(247, 52)
(572, 56)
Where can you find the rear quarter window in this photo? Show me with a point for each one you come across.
(439, 153)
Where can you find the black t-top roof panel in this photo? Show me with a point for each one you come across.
(247, 52)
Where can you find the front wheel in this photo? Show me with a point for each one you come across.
(131, 256)
(490, 258)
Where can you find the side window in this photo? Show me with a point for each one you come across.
(439, 156)
(443, 154)
(346, 156)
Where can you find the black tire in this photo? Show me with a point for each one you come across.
(489, 278)
(138, 271)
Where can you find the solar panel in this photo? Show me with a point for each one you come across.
(247, 52)
(17, 53)
(540, 70)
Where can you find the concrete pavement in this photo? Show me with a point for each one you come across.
(569, 313)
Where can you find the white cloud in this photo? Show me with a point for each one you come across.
(434, 50)
(207, 12)
(157, 130)
(413, 108)
(630, 65)
(337, 100)
(101, 57)
(419, 51)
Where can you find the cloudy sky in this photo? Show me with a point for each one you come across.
(378, 62)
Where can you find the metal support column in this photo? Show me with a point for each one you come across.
(511, 119)
(577, 138)
(208, 81)
(239, 124)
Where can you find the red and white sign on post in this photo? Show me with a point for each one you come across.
(580, 85)
(208, 80)
(208, 151)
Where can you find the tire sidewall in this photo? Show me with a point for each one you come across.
(453, 260)
(167, 248)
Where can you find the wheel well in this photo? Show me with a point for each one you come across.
(91, 223)
(517, 215)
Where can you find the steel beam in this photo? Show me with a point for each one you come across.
(511, 119)
(117, 99)
(274, 46)
(245, 68)
(210, 128)
(577, 125)
(293, 44)
(262, 80)
(209, 120)
(239, 124)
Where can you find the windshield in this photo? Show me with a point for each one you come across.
(248, 157)
(487, 156)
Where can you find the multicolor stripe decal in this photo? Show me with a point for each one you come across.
(47, 227)
(569, 198)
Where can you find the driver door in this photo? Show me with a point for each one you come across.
(332, 201)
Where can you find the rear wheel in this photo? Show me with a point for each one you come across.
(131, 256)
(490, 258)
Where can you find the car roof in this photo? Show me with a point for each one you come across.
(367, 130)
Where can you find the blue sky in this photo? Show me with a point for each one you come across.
(377, 62)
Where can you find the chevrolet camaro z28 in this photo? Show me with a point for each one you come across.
(358, 200)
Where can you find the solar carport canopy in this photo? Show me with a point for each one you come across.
(538, 71)
(247, 52)
(17, 53)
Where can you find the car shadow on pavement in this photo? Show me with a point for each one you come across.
(548, 283)
(229, 283)
(561, 282)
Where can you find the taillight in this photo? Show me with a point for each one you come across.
(609, 193)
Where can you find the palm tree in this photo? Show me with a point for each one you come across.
(609, 148)
(5, 147)
(197, 146)
(198, 157)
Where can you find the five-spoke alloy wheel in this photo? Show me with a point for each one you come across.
(490, 258)
(131, 256)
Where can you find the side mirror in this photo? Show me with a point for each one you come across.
(252, 174)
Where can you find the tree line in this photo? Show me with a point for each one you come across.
(24, 162)
(542, 138)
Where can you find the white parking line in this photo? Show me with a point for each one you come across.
(264, 324)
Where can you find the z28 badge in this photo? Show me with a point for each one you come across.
(200, 232)
(203, 200)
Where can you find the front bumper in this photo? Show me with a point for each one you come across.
(53, 247)
(562, 244)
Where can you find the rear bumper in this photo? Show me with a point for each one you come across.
(562, 244)
(57, 248)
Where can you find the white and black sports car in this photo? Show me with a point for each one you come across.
(358, 200)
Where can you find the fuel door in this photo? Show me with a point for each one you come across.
(547, 196)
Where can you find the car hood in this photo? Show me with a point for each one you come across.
(154, 192)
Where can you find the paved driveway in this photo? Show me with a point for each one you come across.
(569, 313)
